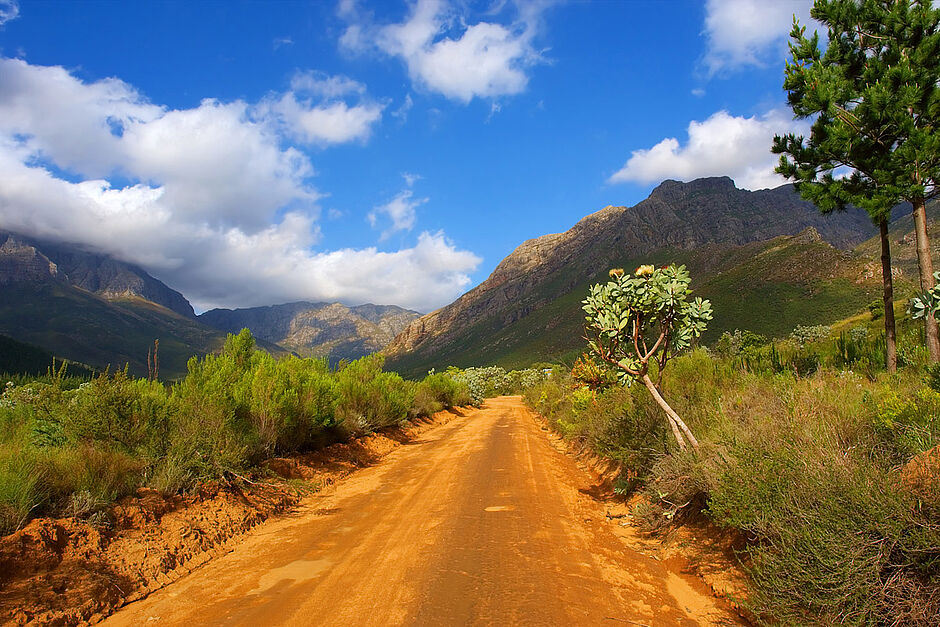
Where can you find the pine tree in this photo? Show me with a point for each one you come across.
(875, 139)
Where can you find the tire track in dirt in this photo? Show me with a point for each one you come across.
(480, 522)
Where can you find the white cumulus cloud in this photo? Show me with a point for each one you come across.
(446, 55)
(750, 32)
(313, 110)
(721, 145)
(215, 200)
(332, 123)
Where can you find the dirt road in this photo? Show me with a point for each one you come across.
(480, 522)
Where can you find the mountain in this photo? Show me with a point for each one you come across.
(328, 330)
(92, 309)
(529, 308)
(23, 258)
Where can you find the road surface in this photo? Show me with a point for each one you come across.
(481, 522)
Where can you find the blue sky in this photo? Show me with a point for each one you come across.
(250, 153)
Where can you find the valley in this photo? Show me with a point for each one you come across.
(447, 312)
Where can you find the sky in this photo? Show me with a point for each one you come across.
(254, 153)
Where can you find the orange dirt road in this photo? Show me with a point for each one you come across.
(480, 522)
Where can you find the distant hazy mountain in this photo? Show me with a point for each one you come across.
(327, 330)
(529, 307)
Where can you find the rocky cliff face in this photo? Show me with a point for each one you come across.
(21, 262)
(24, 260)
(676, 216)
(329, 330)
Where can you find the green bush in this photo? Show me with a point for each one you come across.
(495, 381)
(806, 463)
(908, 425)
(369, 398)
(840, 540)
(617, 422)
(439, 391)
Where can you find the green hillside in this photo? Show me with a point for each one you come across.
(768, 287)
(83, 327)
(20, 358)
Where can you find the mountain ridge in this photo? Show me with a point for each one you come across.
(91, 308)
(678, 217)
(317, 329)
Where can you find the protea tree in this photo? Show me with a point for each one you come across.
(635, 321)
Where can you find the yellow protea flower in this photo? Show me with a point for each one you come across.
(644, 270)
(616, 273)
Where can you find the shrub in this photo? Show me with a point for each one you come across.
(369, 398)
(71, 446)
(909, 425)
(106, 409)
(806, 334)
(840, 543)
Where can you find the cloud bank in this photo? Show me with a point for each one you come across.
(721, 145)
(216, 200)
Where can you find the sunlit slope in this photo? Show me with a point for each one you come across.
(528, 308)
(768, 287)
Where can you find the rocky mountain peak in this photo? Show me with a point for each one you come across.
(670, 190)
(331, 330)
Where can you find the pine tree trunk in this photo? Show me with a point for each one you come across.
(673, 416)
(926, 274)
(891, 347)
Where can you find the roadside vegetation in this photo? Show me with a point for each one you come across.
(815, 455)
(489, 381)
(821, 452)
(71, 446)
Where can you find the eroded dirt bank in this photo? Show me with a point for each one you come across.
(481, 521)
(67, 571)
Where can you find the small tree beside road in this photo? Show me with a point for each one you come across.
(635, 321)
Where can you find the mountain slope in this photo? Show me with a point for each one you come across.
(84, 327)
(528, 309)
(20, 358)
(330, 330)
(23, 258)
(95, 310)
